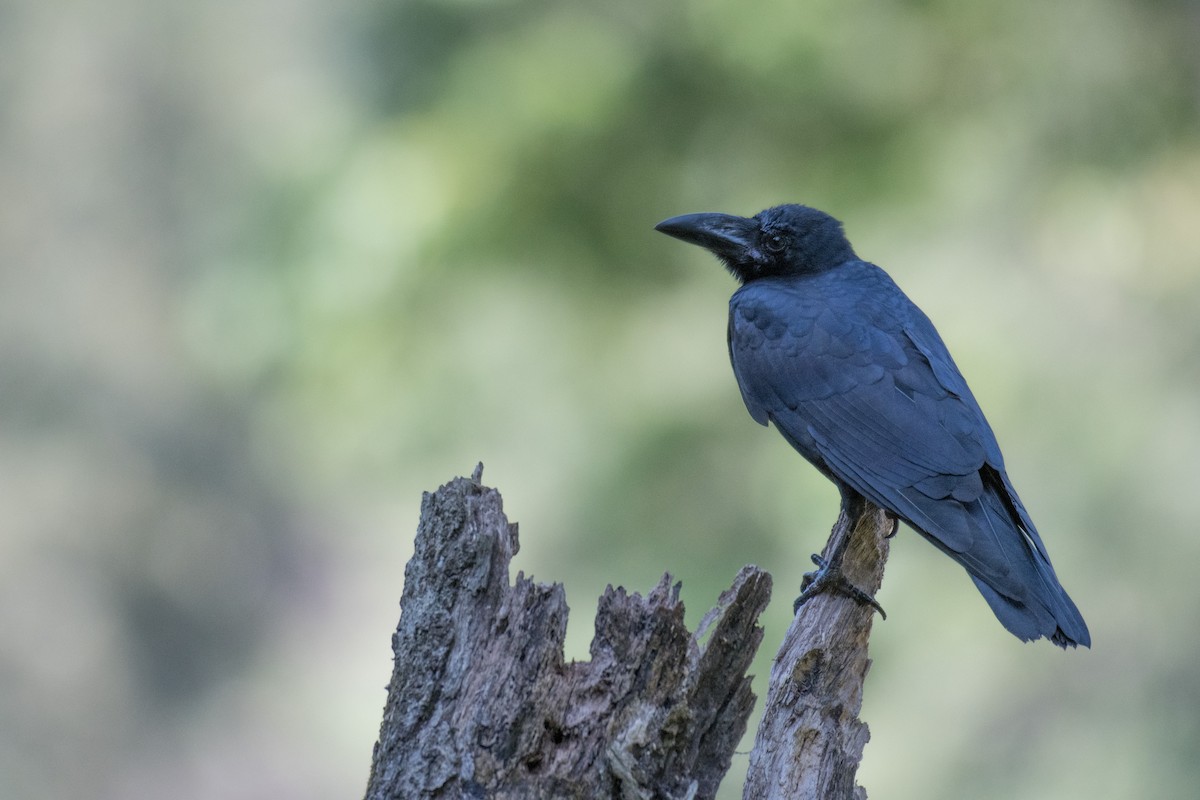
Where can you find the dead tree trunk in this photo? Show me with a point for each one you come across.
(482, 705)
(810, 739)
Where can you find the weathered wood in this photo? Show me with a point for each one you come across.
(810, 740)
(481, 703)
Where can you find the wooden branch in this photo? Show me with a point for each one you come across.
(481, 703)
(810, 740)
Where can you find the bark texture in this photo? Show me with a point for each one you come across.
(810, 740)
(481, 703)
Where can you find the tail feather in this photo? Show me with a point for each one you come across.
(1042, 607)
(993, 538)
(996, 542)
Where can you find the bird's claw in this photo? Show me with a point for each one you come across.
(830, 578)
(895, 526)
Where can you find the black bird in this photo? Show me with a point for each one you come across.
(854, 375)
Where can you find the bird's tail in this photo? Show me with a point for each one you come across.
(1035, 604)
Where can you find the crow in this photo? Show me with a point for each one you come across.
(855, 377)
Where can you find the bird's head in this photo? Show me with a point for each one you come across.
(784, 240)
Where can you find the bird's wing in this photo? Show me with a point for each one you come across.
(869, 390)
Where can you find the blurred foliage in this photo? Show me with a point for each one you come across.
(272, 269)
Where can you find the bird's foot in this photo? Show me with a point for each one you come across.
(830, 578)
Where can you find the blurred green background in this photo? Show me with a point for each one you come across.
(269, 270)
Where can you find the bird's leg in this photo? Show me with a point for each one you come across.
(829, 576)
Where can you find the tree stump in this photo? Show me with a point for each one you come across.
(481, 703)
(810, 740)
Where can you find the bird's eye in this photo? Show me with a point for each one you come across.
(774, 244)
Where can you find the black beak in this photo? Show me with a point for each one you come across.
(723, 235)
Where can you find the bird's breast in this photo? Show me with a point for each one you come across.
(817, 318)
(792, 341)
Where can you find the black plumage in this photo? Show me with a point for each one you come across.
(827, 348)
